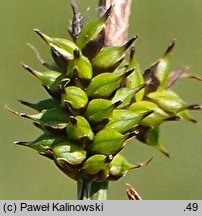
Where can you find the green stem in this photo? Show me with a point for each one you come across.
(92, 190)
(83, 190)
(99, 190)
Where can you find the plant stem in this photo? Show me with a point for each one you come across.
(92, 190)
(83, 190)
(99, 190)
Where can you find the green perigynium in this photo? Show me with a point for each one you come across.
(99, 99)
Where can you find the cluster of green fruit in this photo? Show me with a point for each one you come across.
(99, 100)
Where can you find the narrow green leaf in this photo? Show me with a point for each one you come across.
(43, 104)
(44, 142)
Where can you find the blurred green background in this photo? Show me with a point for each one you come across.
(26, 175)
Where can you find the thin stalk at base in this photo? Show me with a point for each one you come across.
(92, 190)
(99, 190)
(83, 190)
